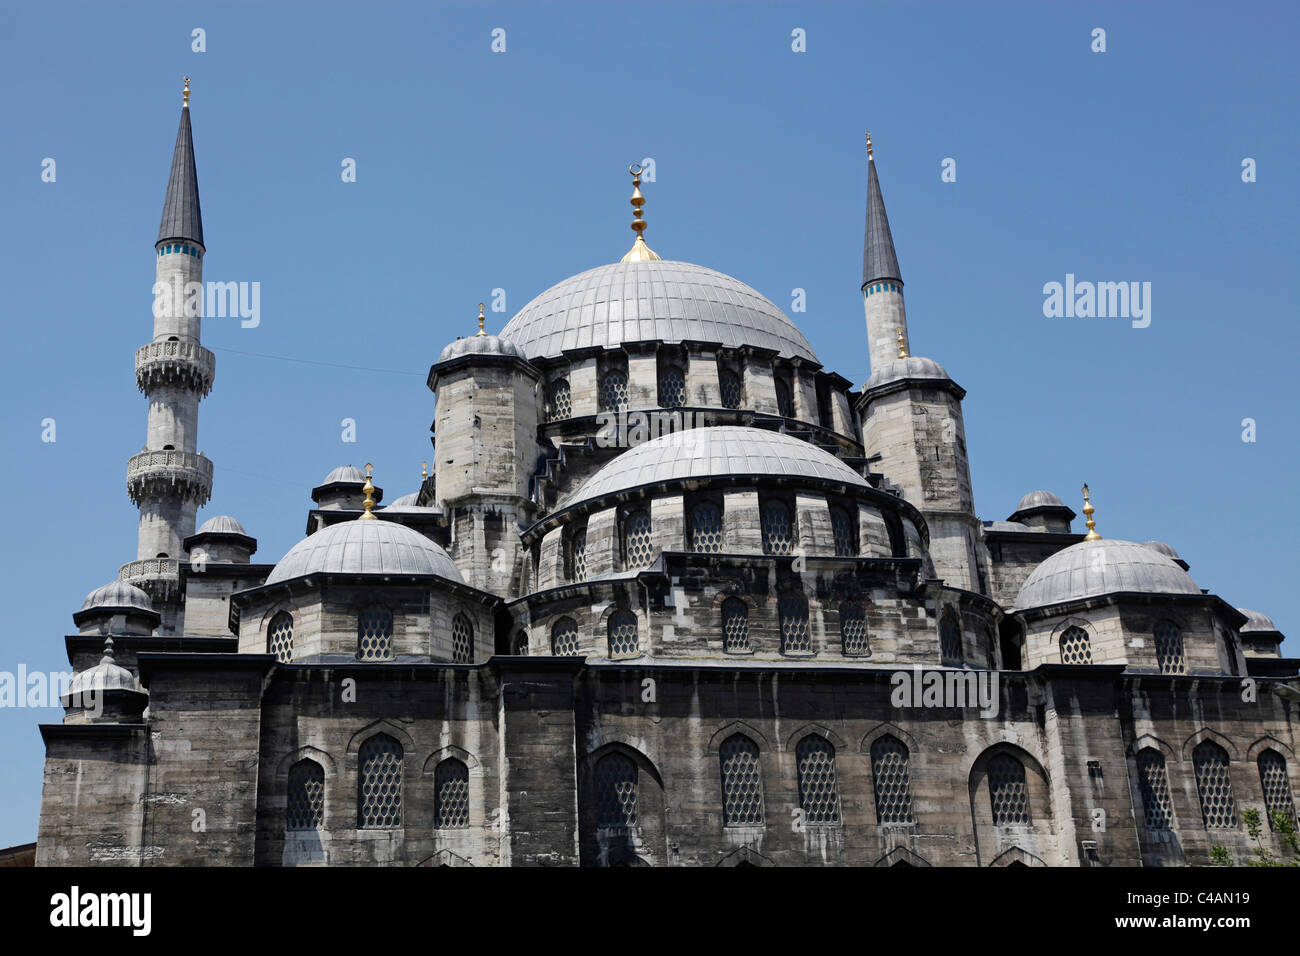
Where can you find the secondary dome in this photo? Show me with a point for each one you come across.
(1257, 623)
(1039, 499)
(1092, 568)
(714, 452)
(914, 366)
(365, 547)
(481, 345)
(652, 301)
(221, 524)
(348, 473)
(117, 594)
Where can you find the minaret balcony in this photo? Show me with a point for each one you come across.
(169, 474)
(160, 578)
(184, 364)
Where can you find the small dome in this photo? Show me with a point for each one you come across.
(345, 473)
(914, 366)
(404, 501)
(107, 675)
(715, 452)
(407, 505)
(481, 345)
(656, 300)
(116, 594)
(365, 547)
(1092, 568)
(221, 524)
(1161, 548)
(1039, 499)
(1257, 622)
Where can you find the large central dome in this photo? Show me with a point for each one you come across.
(652, 301)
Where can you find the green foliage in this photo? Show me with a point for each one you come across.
(1261, 855)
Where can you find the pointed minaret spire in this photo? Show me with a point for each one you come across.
(181, 217)
(882, 281)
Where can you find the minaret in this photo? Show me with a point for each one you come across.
(882, 281)
(170, 479)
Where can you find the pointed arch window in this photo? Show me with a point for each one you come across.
(379, 783)
(305, 809)
(1214, 786)
(1076, 647)
(451, 795)
(375, 633)
(818, 795)
(1008, 792)
(1276, 785)
(1153, 782)
(742, 786)
(735, 626)
(792, 610)
(890, 773)
(279, 637)
(616, 792)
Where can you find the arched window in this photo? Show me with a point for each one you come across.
(706, 528)
(742, 786)
(375, 634)
(451, 795)
(519, 645)
(1214, 786)
(818, 796)
(1276, 786)
(784, 398)
(637, 546)
(950, 639)
(893, 784)
(844, 531)
(732, 390)
(379, 783)
(1076, 648)
(623, 638)
(1008, 793)
(792, 609)
(853, 630)
(778, 532)
(613, 390)
(462, 640)
(279, 637)
(1169, 648)
(735, 626)
(578, 555)
(305, 809)
(564, 637)
(616, 781)
(672, 387)
(1153, 782)
(559, 400)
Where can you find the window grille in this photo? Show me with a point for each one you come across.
(1276, 786)
(735, 626)
(375, 634)
(1076, 648)
(706, 528)
(815, 757)
(731, 389)
(637, 546)
(564, 637)
(742, 789)
(613, 391)
(844, 533)
(306, 804)
(853, 630)
(672, 387)
(1008, 791)
(279, 637)
(792, 609)
(379, 801)
(1214, 786)
(462, 640)
(451, 795)
(1153, 782)
(893, 785)
(559, 400)
(1169, 648)
(777, 530)
(623, 640)
(616, 783)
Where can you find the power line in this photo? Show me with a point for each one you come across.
(301, 361)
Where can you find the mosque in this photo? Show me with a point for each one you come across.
(569, 646)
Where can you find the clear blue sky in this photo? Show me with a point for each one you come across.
(479, 171)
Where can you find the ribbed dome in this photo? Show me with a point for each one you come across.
(1256, 622)
(107, 675)
(117, 594)
(1092, 568)
(404, 501)
(221, 524)
(914, 366)
(1161, 548)
(481, 345)
(365, 547)
(345, 473)
(652, 301)
(711, 452)
(1039, 499)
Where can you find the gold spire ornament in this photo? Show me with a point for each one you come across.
(902, 344)
(639, 252)
(424, 470)
(369, 489)
(481, 319)
(186, 93)
(1088, 510)
(869, 157)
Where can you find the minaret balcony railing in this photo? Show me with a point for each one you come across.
(169, 474)
(184, 364)
(158, 577)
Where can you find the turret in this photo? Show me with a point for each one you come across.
(170, 478)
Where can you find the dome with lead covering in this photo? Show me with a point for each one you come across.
(107, 675)
(914, 366)
(345, 473)
(655, 300)
(365, 547)
(1039, 499)
(117, 594)
(481, 345)
(222, 524)
(1256, 622)
(1106, 566)
(711, 452)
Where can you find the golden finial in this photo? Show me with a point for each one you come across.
(369, 489)
(481, 319)
(424, 469)
(186, 93)
(902, 343)
(639, 252)
(869, 146)
(1088, 509)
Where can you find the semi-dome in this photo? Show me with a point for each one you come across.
(714, 452)
(1257, 623)
(116, 594)
(221, 524)
(365, 547)
(481, 345)
(914, 366)
(1106, 566)
(654, 300)
(345, 473)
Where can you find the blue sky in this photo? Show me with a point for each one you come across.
(479, 170)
